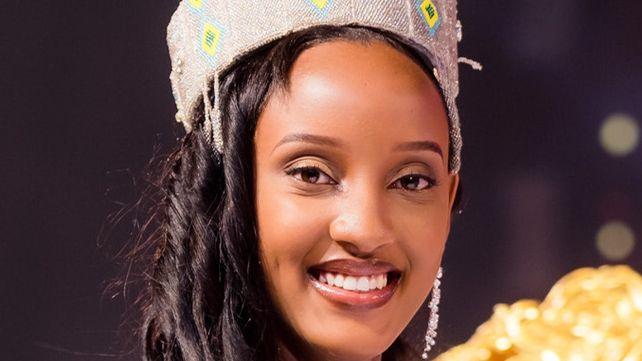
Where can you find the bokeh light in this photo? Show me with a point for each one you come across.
(548, 355)
(620, 134)
(615, 240)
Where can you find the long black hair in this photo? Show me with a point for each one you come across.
(205, 296)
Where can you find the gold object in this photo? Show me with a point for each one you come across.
(589, 315)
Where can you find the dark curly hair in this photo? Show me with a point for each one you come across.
(205, 295)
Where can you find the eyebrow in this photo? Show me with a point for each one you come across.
(310, 138)
(333, 142)
(420, 145)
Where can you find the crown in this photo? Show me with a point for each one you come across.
(206, 36)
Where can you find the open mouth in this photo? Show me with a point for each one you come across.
(366, 283)
(365, 291)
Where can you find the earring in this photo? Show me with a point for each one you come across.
(433, 321)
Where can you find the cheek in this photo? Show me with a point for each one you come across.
(424, 233)
(424, 222)
(291, 229)
(288, 228)
(293, 235)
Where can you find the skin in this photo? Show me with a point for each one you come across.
(356, 200)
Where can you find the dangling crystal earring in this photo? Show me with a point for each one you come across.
(433, 322)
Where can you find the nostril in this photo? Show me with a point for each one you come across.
(357, 251)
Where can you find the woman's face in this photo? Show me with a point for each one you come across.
(353, 196)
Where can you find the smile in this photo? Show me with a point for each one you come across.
(350, 283)
(355, 284)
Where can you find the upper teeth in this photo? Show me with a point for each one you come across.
(351, 283)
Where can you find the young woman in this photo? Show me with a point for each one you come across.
(306, 211)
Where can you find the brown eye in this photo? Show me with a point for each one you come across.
(311, 175)
(414, 182)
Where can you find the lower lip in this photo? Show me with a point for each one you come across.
(354, 299)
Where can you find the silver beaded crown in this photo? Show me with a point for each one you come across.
(206, 36)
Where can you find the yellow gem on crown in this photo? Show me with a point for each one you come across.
(211, 36)
(319, 3)
(430, 13)
(196, 3)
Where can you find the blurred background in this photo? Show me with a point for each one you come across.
(552, 161)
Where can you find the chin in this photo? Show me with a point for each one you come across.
(349, 340)
(351, 349)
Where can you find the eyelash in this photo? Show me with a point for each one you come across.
(430, 181)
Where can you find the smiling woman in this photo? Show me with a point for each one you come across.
(313, 226)
(351, 192)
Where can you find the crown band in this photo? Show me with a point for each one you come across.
(205, 37)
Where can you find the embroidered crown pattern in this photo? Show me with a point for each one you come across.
(211, 37)
(431, 15)
(320, 6)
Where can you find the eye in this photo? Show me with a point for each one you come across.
(310, 174)
(414, 182)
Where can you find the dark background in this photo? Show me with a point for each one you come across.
(86, 103)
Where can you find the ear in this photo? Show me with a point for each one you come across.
(452, 193)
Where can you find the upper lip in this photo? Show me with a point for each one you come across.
(356, 267)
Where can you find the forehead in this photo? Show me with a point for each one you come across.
(360, 92)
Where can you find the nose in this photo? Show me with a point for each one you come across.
(362, 225)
